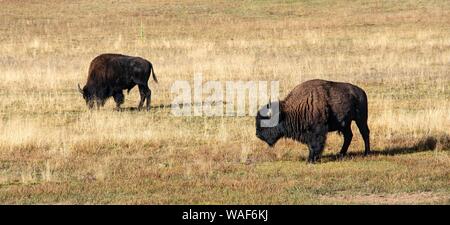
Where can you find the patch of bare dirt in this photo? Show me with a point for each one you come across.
(399, 198)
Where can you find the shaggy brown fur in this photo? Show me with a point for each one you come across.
(110, 74)
(315, 108)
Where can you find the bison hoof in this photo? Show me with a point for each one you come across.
(312, 161)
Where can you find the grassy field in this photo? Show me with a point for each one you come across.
(55, 151)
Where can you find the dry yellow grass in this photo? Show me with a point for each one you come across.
(53, 150)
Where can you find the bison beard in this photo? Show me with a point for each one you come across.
(315, 108)
(110, 74)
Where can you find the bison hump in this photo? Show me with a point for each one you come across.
(306, 108)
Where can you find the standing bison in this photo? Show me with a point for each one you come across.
(110, 74)
(313, 109)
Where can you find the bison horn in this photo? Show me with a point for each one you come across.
(79, 89)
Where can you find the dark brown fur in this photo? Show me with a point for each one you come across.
(315, 108)
(110, 74)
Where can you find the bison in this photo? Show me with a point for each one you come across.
(110, 74)
(313, 109)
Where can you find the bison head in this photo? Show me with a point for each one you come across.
(269, 123)
(87, 95)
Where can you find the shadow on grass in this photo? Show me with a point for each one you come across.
(427, 143)
(169, 106)
(135, 109)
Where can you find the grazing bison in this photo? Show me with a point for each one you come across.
(313, 109)
(110, 74)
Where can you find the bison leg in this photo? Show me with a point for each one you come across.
(348, 135)
(149, 99)
(315, 149)
(119, 99)
(100, 103)
(364, 130)
(311, 154)
(145, 95)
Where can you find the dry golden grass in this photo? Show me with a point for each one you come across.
(53, 150)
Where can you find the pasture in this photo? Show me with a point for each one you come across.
(53, 150)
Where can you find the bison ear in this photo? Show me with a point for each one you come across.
(80, 90)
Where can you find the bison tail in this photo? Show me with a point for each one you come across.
(362, 109)
(153, 74)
